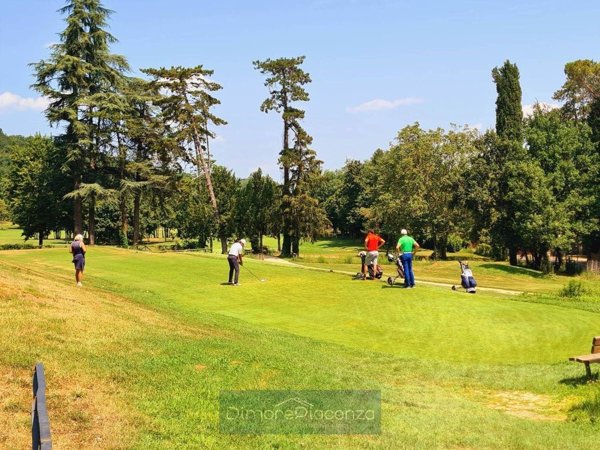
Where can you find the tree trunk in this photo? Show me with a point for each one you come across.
(223, 245)
(512, 256)
(136, 218)
(286, 248)
(441, 248)
(559, 260)
(40, 239)
(203, 166)
(77, 211)
(124, 221)
(92, 219)
(260, 245)
(279, 242)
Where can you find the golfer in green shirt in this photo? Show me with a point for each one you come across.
(407, 247)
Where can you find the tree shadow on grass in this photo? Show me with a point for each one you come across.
(339, 243)
(513, 270)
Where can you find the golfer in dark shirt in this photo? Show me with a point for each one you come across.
(78, 250)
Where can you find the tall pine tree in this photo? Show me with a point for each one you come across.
(302, 215)
(80, 67)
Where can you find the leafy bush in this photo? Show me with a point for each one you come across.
(547, 267)
(572, 289)
(484, 250)
(455, 243)
(17, 246)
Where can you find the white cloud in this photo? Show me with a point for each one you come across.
(380, 104)
(528, 109)
(10, 101)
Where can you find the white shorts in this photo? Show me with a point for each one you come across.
(372, 258)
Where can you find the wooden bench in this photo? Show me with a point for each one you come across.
(593, 357)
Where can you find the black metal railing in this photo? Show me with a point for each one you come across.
(40, 424)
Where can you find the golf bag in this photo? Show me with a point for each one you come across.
(374, 271)
(391, 258)
(466, 278)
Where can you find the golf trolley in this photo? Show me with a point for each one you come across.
(374, 272)
(467, 281)
(391, 258)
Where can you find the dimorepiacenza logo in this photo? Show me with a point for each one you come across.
(303, 412)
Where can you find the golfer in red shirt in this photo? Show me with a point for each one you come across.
(372, 243)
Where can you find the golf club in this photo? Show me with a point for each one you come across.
(252, 273)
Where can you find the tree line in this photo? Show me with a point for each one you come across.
(134, 155)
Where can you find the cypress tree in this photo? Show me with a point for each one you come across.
(509, 128)
(509, 111)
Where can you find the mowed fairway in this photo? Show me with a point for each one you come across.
(455, 370)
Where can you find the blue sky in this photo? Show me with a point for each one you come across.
(376, 65)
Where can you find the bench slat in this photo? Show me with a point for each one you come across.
(596, 341)
(593, 358)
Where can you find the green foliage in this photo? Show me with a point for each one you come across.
(302, 215)
(81, 79)
(342, 194)
(509, 111)
(17, 246)
(400, 190)
(484, 249)
(186, 102)
(455, 243)
(258, 208)
(581, 88)
(193, 215)
(572, 289)
(35, 187)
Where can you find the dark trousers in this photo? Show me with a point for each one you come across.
(234, 265)
(409, 276)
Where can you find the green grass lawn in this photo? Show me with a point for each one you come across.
(10, 234)
(161, 337)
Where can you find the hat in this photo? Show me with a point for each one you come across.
(403, 231)
(243, 241)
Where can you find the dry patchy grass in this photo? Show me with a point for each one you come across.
(70, 330)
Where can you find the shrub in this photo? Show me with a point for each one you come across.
(547, 267)
(484, 250)
(18, 246)
(455, 243)
(572, 289)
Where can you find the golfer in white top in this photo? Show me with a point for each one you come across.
(234, 257)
